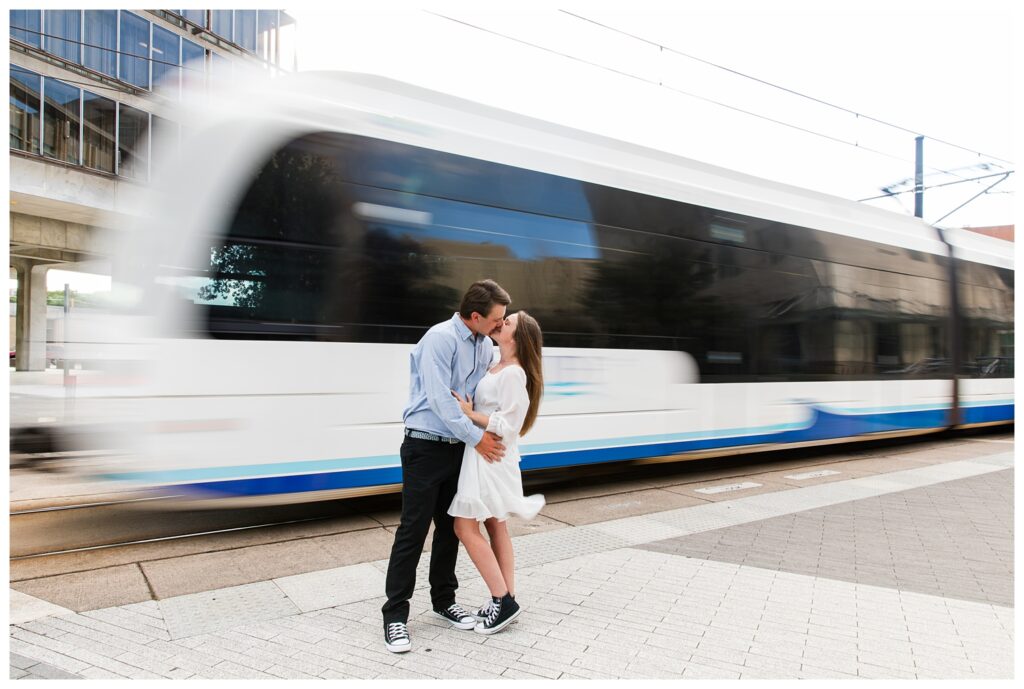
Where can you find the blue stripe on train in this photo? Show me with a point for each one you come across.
(824, 425)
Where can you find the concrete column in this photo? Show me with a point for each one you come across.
(31, 321)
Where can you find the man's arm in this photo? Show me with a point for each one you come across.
(436, 374)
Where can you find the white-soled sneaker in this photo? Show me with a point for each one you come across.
(457, 617)
(503, 612)
(396, 637)
(483, 611)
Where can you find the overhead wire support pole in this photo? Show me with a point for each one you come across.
(919, 177)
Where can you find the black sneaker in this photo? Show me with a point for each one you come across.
(484, 610)
(502, 613)
(459, 618)
(396, 637)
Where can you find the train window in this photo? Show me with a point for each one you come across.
(986, 300)
(341, 238)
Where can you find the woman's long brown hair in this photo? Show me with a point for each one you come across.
(529, 343)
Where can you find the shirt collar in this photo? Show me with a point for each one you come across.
(464, 332)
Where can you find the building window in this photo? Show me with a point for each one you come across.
(197, 17)
(25, 110)
(100, 117)
(165, 138)
(221, 23)
(62, 120)
(166, 58)
(132, 143)
(266, 38)
(220, 67)
(26, 27)
(193, 57)
(64, 34)
(245, 29)
(134, 50)
(101, 32)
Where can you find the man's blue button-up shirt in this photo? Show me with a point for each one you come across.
(449, 357)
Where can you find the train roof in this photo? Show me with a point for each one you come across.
(386, 108)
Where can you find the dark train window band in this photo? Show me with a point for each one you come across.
(343, 238)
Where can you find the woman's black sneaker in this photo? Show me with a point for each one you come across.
(396, 637)
(502, 613)
(484, 610)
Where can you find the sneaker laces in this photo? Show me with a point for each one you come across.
(493, 613)
(397, 630)
(486, 608)
(457, 612)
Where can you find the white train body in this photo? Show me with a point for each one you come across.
(233, 415)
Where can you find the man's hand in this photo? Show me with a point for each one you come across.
(490, 447)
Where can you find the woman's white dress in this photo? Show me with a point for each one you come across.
(495, 489)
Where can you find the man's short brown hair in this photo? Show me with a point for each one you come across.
(481, 298)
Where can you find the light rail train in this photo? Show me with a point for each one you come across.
(310, 231)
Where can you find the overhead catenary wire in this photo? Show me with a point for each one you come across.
(652, 82)
(1004, 175)
(671, 88)
(783, 88)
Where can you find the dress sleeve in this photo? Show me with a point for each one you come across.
(513, 402)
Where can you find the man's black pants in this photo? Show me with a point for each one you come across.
(430, 478)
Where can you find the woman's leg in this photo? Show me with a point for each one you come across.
(501, 546)
(468, 531)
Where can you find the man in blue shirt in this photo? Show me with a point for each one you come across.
(452, 356)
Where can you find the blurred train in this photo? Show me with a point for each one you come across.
(310, 231)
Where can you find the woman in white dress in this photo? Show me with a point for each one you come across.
(507, 400)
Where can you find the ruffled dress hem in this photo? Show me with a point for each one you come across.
(526, 507)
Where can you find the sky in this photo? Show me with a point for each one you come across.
(942, 69)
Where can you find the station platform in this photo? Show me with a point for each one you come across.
(902, 572)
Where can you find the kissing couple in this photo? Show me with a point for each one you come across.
(460, 460)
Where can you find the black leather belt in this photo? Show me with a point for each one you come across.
(423, 435)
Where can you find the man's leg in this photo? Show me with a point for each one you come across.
(445, 549)
(421, 481)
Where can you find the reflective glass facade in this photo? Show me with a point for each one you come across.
(129, 47)
(134, 64)
(197, 17)
(24, 110)
(133, 143)
(222, 23)
(100, 51)
(193, 55)
(166, 59)
(79, 127)
(61, 121)
(99, 115)
(64, 34)
(245, 29)
(26, 26)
